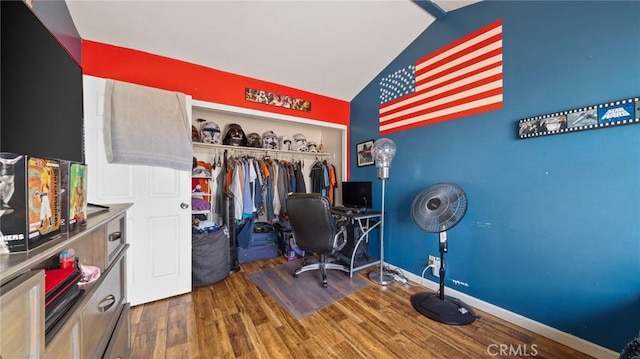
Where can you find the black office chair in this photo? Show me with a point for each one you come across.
(316, 231)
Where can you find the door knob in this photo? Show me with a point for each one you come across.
(184, 205)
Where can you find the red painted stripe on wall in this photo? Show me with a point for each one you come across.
(202, 83)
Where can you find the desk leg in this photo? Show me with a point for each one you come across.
(363, 236)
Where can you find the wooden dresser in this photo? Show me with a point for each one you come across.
(98, 324)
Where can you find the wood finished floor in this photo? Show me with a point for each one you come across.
(235, 319)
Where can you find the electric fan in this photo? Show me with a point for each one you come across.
(435, 210)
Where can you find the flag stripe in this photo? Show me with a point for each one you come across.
(490, 89)
(432, 120)
(445, 83)
(480, 51)
(462, 105)
(461, 67)
(461, 79)
(462, 43)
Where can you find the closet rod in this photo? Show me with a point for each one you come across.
(257, 152)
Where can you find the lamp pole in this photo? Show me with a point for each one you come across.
(383, 149)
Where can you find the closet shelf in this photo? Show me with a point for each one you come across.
(260, 151)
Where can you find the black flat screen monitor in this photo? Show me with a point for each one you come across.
(357, 194)
(41, 89)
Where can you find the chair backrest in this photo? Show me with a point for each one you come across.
(311, 221)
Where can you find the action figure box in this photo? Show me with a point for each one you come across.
(73, 184)
(30, 212)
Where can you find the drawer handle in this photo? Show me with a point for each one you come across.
(107, 303)
(115, 236)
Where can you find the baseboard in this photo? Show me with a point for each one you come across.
(567, 339)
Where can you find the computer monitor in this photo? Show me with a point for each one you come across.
(357, 194)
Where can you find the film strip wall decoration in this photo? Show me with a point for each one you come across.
(621, 112)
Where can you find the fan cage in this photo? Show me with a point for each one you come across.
(439, 207)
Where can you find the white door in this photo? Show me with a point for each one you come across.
(159, 222)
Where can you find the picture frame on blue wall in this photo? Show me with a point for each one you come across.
(582, 118)
(364, 153)
(615, 113)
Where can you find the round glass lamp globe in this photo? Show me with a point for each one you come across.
(383, 151)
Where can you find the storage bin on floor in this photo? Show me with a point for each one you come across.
(210, 257)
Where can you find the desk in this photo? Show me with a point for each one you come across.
(365, 222)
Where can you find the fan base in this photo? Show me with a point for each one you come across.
(448, 310)
(385, 279)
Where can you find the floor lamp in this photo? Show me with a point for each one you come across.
(383, 151)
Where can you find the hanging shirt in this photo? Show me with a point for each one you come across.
(283, 190)
(247, 197)
(252, 182)
(269, 190)
(258, 194)
(236, 189)
(217, 188)
(332, 183)
(276, 194)
(325, 179)
(316, 175)
(301, 186)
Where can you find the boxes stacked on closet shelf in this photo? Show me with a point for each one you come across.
(257, 240)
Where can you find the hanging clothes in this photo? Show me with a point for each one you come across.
(333, 183)
(269, 201)
(283, 188)
(276, 193)
(236, 189)
(320, 178)
(266, 188)
(258, 188)
(247, 195)
(219, 189)
(316, 177)
(326, 184)
(301, 186)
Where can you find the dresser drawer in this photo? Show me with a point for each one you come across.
(103, 245)
(66, 343)
(115, 237)
(102, 311)
(22, 316)
(119, 345)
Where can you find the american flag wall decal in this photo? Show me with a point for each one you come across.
(461, 79)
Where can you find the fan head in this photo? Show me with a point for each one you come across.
(439, 207)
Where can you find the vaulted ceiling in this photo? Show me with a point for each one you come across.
(332, 48)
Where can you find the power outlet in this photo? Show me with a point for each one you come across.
(435, 270)
(431, 260)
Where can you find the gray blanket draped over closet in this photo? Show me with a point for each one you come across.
(146, 126)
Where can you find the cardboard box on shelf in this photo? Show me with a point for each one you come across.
(30, 212)
(73, 184)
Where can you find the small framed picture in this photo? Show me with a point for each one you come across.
(364, 151)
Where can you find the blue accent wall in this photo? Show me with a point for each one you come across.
(552, 230)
